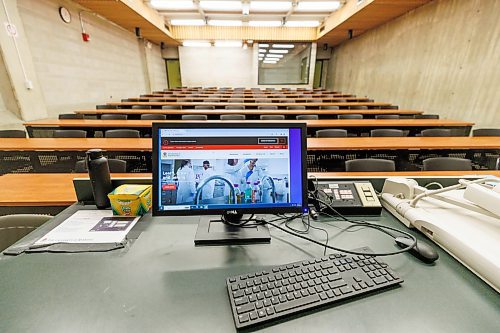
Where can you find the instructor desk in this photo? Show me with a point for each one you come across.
(161, 282)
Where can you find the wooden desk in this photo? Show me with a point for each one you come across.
(43, 155)
(298, 100)
(255, 105)
(357, 126)
(251, 114)
(42, 193)
(331, 144)
(32, 190)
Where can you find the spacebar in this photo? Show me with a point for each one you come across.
(296, 303)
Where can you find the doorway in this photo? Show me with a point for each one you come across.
(173, 73)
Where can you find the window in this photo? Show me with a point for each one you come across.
(281, 63)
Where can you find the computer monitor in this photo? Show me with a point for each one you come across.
(229, 169)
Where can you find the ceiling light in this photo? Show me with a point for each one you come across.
(245, 9)
(263, 45)
(278, 51)
(228, 43)
(317, 6)
(270, 6)
(270, 55)
(283, 46)
(172, 4)
(269, 62)
(264, 23)
(187, 22)
(223, 6)
(302, 24)
(194, 43)
(225, 23)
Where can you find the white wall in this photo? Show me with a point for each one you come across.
(441, 58)
(227, 67)
(213, 66)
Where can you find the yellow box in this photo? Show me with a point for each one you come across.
(130, 200)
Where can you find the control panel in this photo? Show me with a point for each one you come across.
(350, 198)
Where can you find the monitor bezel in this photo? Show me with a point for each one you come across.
(269, 210)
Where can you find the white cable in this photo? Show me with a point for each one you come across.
(15, 43)
(461, 183)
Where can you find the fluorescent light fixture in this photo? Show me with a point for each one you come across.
(245, 9)
(228, 43)
(269, 62)
(172, 4)
(264, 23)
(278, 51)
(309, 24)
(187, 22)
(283, 46)
(225, 23)
(262, 50)
(271, 55)
(270, 6)
(195, 43)
(223, 6)
(263, 45)
(317, 6)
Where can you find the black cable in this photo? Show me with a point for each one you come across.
(379, 227)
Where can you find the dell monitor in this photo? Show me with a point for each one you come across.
(229, 169)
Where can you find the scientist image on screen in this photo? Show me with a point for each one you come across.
(226, 181)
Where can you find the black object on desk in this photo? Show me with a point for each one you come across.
(284, 290)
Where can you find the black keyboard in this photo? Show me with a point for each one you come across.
(284, 290)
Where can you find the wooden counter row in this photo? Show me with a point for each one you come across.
(249, 112)
(299, 99)
(313, 144)
(321, 123)
(57, 189)
(280, 104)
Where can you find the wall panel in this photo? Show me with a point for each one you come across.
(440, 58)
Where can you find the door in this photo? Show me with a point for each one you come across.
(173, 73)
(318, 71)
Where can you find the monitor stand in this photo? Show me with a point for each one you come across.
(212, 231)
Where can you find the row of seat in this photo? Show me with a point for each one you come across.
(150, 116)
(429, 164)
(324, 133)
(241, 107)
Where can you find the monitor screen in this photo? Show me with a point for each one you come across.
(210, 168)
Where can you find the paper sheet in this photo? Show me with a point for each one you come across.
(90, 226)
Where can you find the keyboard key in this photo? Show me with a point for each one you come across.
(296, 303)
(346, 290)
(253, 315)
(380, 280)
(232, 280)
(245, 308)
(244, 318)
(238, 293)
(241, 301)
(261, 313)
(259, 304)
(269, 310)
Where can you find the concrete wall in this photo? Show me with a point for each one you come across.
(73, 74)
(440, 58)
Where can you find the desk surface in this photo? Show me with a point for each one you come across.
(324, 123)
(38, 189)
(48, 189)
(247, 98)
(161, 282)
(249, 112)
(358, 143)
(251, 104)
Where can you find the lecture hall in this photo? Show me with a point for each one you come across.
(248, 165)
